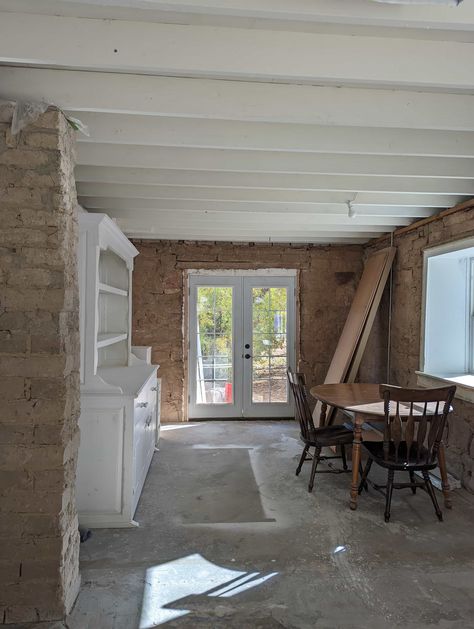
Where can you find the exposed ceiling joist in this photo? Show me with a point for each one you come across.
(211, 223)
(297, 14)
(229, 134)
(135, 229)
(272, 161)
(239, 100)
(184, 50)
(406, 205)
(324, 214)
(330, 183)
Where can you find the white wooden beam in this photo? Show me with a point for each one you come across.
(150, 232)
(403, 202)
(323, 214)
(238, 100)
(329, 183)
(379, 215)
(271, 12)
(183, 50)
(225, 134)
(184, 226)
(271, 161)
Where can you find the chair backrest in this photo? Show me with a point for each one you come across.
(418, 418)
(303, 413)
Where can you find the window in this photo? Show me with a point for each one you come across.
(448, 339)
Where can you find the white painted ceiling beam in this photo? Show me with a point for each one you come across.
(238, 100)
(271, 161)
(274, 12)
(195, 133)
(325, 214)
(255, 222)
(148, 232)
(183, 50)
(388, 214)
(387, 203)
(330, 183)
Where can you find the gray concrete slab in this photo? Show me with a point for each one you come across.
(230, 537)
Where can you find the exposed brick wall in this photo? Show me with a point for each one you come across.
(406, 328)
(328, 277)
(39, 370)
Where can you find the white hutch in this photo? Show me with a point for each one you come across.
(119, 419)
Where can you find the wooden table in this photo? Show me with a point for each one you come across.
(364, 400)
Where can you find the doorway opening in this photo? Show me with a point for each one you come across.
(241, 342)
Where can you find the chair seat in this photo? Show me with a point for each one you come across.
(402, 462)
(329, 436)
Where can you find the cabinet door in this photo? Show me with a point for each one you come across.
(100, 464)
(144, 437)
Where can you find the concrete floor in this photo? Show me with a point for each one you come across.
(229, 537)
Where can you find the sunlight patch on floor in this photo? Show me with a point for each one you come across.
(166, 427)
(193, 575)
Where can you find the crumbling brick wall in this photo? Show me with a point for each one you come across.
(406, 313)
(39, 370)
(328, 277)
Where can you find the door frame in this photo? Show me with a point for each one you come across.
(213, 276)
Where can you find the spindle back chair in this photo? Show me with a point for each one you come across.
(323, 436)
(414, 424)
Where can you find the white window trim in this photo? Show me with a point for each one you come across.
(463, 391)
(244, 272)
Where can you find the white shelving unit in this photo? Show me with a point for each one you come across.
(119, 392)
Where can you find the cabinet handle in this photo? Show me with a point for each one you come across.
(142, 404)
(148, 421)
(154, 388)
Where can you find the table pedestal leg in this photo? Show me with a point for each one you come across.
(444, 476)
(356, 456)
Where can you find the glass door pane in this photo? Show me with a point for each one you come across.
(269, 345)
(214, 355)
(215, 340)
(269, 336)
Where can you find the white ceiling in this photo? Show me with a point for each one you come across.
(255, 119)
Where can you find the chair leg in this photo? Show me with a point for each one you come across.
(412, 481)
(361, 473)
(302, 459)
(388, 496)
(343, 457)
(430, 490)
(364, 474)
(316, 456)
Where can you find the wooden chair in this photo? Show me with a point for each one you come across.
(318, 438)
(411, 440)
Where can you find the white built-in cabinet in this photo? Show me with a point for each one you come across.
(119, 419)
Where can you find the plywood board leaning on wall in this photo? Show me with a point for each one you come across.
(350, 348)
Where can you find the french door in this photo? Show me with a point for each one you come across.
(241, 341)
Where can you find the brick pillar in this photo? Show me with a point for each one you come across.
(39, 370)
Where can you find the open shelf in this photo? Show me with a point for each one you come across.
(113, 290)
(103, 340)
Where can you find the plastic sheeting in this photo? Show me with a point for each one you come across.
(26, 112)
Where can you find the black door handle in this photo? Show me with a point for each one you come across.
(247, 356)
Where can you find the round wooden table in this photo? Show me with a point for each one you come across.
(363, 400)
